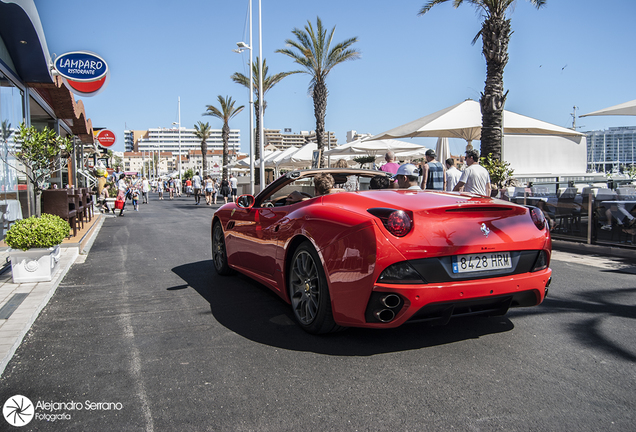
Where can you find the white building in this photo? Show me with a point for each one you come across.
(354, 135)
(288, 139)
(611, 149)
(167, 140)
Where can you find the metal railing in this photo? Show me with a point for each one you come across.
(593, 212)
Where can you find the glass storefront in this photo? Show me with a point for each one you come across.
(13, 184)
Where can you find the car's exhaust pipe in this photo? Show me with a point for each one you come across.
(391, 301)
(385, 315)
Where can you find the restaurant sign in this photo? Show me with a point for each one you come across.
(84, 73)
(105, 138)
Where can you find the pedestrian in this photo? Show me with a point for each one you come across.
(171, 188)
(208, 187)
(197, 184)
(234, 187)
(433, 173)
(145, 188)
(475, 179)
(178, 186)
(135, 199)
(188, 183)
(114, 177)
(452, 174)
(215, 190)
(407, 177)
(160, 189)
(225, 189)
(390, 166)
(102, 200)
(122, 192)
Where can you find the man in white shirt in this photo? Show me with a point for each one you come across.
(197, 181)
(234, 186)
(452, 174)
(475, 179)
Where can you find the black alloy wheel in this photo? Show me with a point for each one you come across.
(309, 293)
(219, 254)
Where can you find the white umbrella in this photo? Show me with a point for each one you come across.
(627, 108)
(442, 150)
(375, 147)
(300, 158)
(279, 156)
(463, 120)
(266, 155)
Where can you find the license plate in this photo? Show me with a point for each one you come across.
(481, 262)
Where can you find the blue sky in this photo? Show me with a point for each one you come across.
(569, 53)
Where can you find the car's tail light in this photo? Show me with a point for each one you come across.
(397, 222)
(401, 273)
(538, 218)
(541, 262)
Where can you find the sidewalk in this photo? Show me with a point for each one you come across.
(20, 304)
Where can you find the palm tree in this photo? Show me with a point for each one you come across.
(495, 34)
(226, 112)
(312, 50)
(203, 132)
(268, 83)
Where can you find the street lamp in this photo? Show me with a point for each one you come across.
(179, 123)
(241, 47)
(261, 128)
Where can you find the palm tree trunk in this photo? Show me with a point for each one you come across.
(204, 155)
(320, 110)
(495, 35)
(225, 135)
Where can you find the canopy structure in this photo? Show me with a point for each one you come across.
(371, 148)
(627, 108)
(463, 120)
(277, 157)
(300, 158)
(266, 155)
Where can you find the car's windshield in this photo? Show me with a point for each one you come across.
(305, 186)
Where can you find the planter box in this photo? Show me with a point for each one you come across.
(34, 265)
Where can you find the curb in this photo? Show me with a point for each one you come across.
(69, 254)
(595, 249)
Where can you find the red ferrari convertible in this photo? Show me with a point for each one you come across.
(358, 257)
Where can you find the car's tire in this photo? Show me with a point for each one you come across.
(309, 293)
(219, 253)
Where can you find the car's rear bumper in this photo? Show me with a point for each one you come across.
(438, 302)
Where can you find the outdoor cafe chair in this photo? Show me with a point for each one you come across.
(56, 202)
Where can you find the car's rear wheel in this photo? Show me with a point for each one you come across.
(309, 293)
(219, 253)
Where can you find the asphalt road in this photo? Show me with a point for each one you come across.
(147, 328)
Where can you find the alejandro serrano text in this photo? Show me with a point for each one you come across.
(78, 406)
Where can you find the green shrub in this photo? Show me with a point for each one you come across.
(37, 232)
(500, 171)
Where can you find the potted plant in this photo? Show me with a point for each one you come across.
(499, 171)
(364, 160)
(40, 153)
(35, 247)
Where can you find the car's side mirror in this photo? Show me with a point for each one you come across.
(245, 201)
